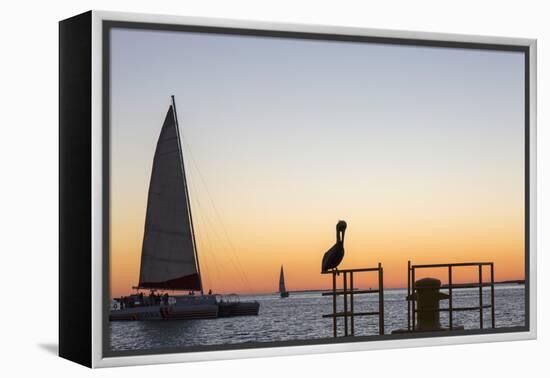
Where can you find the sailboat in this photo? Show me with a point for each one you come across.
(169, 256)
(282, 288)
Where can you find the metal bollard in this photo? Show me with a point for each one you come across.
(427, 297)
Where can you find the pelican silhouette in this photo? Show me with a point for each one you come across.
(333, 257)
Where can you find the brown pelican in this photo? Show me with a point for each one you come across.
(333, 257)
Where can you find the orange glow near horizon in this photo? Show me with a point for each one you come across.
(260, 243)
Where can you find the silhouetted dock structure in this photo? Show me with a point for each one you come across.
(349, 292)
(414, 292)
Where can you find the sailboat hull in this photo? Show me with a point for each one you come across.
(284, 294)
(179, 307)
(164, 313)
(238, 309)
(186, 308)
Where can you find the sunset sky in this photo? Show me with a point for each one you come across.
(419, 149)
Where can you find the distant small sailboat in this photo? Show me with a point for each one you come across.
(282, 288)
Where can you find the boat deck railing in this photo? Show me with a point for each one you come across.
(411, 302)
(349, 292)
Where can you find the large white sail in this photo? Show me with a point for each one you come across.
(282, 288)
(168, 259)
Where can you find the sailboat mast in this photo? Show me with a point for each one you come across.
(187, 194)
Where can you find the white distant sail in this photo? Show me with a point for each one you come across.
(282, 288)
(168, 257)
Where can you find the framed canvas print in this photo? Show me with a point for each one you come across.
(232, 189)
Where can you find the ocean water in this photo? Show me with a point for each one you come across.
(299, 318)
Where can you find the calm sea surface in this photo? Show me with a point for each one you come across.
(299, 318)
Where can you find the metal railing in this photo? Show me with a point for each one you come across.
(411, 276)
(349, 313)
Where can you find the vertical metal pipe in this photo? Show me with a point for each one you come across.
(413, 300)
(334, 307)
(351, 303)
(380, 298)
(450, 297)
(492, 296)
(480, 295)
(409, 295)
(345, 304)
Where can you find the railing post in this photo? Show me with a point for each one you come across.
(492, 296)
(409, 295)
(450, 297)
(334, 308)
(480, 296)
(413, 301)
(351, 303)
(381, 298)
(345, 304)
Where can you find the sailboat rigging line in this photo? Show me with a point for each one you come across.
(186, 191)
(231, 247)
(242, 277)
(207, 242)
(204, 251)
(206, 220)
